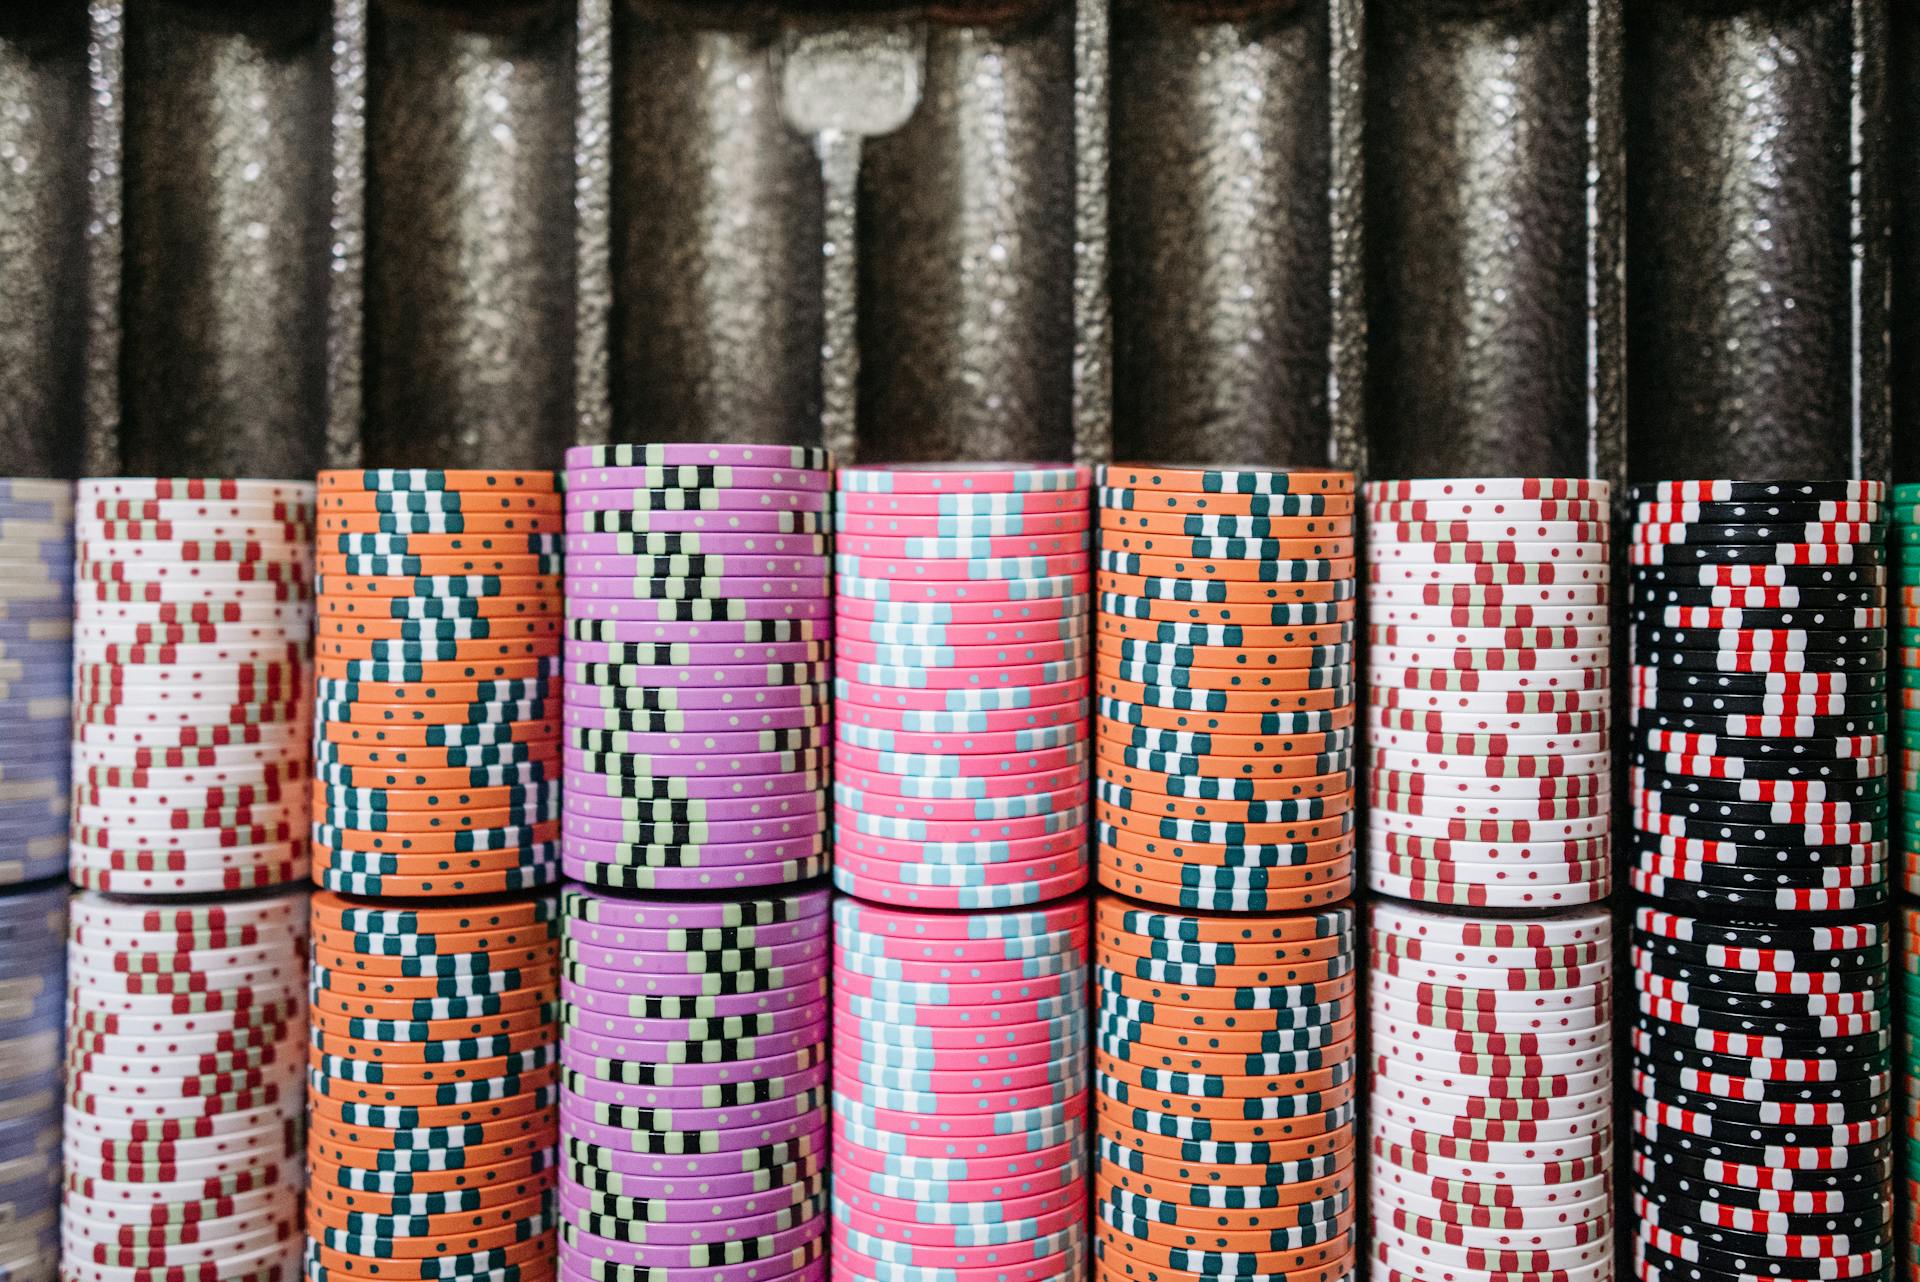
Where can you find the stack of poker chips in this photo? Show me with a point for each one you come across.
(1226, 1068)
(693, 1125)
(33, 939)
(191, 662)
(961, 751)
(437, 703)
(698, 616)
(1760, 804)
(1225, 766)
(36, 656)
(1907, 1064)
(434, 1058)
(1488, 663)
(959, 1093)
(1763, 1146)
(1760, 707)
(1491, 1104)
(183, 1142)
(432, 1088)
(1905, 696)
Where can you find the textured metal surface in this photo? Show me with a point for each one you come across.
(1477, 238)
(966, 233)
(1220, 231)
(1747, 255)
(223, 295)
(715, 233)
(1903, 165)
(470, 251)
(43, 195)
(1739, 268)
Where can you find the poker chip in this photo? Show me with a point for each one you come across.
(432, 1072)
(1905, 719)
(1760, 740)
(961, 669)
(1485, 753)
(694, 1027)
(1247, 697)
(474, 825)
(1761, 1084)
(203, 662)
(33, 931)
(685, 707)
(36, 649)
(959, 1071)
(182, 1145)
(1226, 1067)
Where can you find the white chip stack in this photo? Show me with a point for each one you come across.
(186, 963)
(184, 1151)
(1489, 746)
(192, 646)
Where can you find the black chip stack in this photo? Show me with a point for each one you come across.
(1763, 1131)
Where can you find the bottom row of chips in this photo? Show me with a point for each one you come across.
(960, 1097)
(693, 1113)
(33, 931)
(1763, 1135)
(182, 1144)
(433, 1089)
(1226, 1064)
(1491, 1104)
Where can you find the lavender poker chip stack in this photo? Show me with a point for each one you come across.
(36, 678)
(33, 941)
(693, 1114)
(695, 967)
(698, 654)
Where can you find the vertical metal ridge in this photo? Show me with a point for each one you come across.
(1347, 364)
(225, 187)
(1092, 263)
(347, 286)
(1872, 248)
(106, 76)
(43, 238)
(593, 223)
(1606, 250)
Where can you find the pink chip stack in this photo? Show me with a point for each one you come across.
(961, 682)
(960, 1043)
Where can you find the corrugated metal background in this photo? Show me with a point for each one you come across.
(1421, 236)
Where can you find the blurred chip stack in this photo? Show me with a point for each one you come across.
(36, 656)
(36, 678)
(1904, 699)
(1225, 1055)
(187, 952)
(1489, 746)
(699, 642)
(1763, 1135)
(434, 1058)
(183, 1140)
(33, 936)
(960, 819)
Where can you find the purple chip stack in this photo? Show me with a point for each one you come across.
(699, 625)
